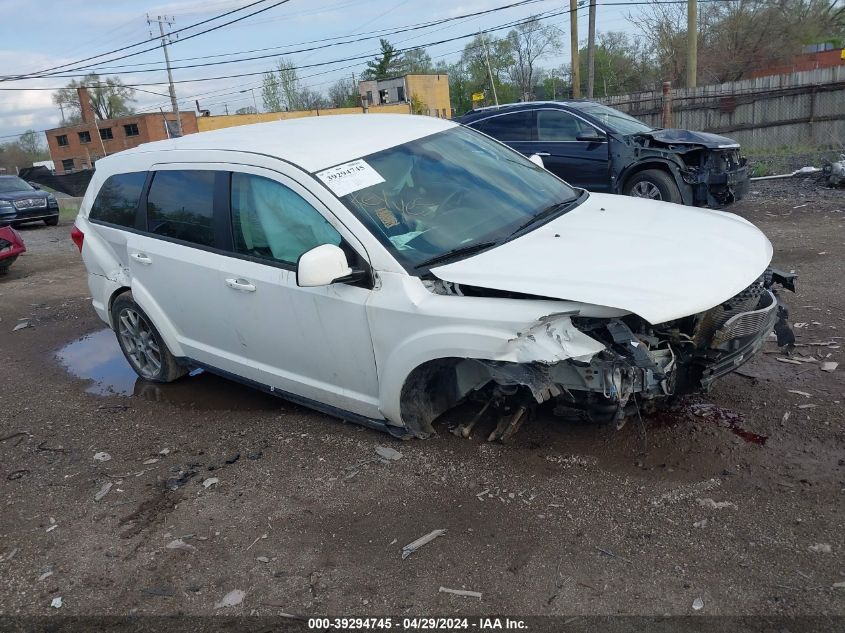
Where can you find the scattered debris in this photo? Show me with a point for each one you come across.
(17, 474)
(103, 491)
(461, 592)
(410, 548)
(388, 453)
(256, 540)
(101, 457)
(715, 505)
(700, 524)
(799, 393)
(52, 527)
(56, 603)
(785, 417)
(231, 599)
(233, 458)
(838, 585)
(12, 436)
(210, 482)
(262, 559)
(21, 326)
(43, 447)
(164, 451)
(46, 575)
(687, 491)
(829, 366)
(807, 406)
(792, 361)
(698, 604)
(253, 455)
(152, 460)
(180, 543)
(611, 554)
(821, 548)
(9, 556)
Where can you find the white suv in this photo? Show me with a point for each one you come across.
(387, 268)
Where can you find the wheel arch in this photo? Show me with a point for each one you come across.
(662, 164)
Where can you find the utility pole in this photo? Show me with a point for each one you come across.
(573, 45)
(489, 72)
(161, 22)
(254, 102)
(692, 42)
(591, 50)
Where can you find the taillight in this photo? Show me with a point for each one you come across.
(77, 236)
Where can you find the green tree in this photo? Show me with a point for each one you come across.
(474, 63)
(416, 62)
(387, 64)
(282, 89)
(621, 65)
(109, 97)
(344, 94)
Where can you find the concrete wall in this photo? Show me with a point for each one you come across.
(804, 109)
(433, 91)
(206, 123)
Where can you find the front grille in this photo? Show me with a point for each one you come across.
(747, 323)
(715, 318)
(30, 203)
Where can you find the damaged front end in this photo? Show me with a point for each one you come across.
(604, 369)
(711, 169)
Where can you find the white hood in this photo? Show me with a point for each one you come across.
(658, 260)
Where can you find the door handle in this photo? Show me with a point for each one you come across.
(240, 284)
(141, 258)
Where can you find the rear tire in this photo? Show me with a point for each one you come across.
(52, 221)
(4, 265)
(141, 343)
(653, 184)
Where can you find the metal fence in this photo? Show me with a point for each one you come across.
(798, 110)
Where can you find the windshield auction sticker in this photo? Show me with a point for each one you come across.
(349, 177)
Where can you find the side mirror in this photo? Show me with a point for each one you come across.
(321, 266)
(590, 136)
(34, 185)
(537, 160)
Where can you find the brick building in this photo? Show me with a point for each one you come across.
(77, 147)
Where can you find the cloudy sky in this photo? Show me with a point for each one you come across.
(71, 30)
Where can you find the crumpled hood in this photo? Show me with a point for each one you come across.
(674, 136)
(658, 260)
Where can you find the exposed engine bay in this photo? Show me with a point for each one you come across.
(623, 365)
(709, 169)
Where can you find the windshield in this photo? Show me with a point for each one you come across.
(617, 121)
(14, 184)
(455, 190)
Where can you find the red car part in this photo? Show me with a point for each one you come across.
(11, 245)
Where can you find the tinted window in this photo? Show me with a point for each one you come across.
(556, 125)
(181, 205)
(117, 200)
(84, 137)
(62, 140)
(508, 127)
(272, 222)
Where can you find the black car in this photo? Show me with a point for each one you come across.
(602, 149)
(20, 202)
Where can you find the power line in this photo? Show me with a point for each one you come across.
(355, 40)
(45, 72)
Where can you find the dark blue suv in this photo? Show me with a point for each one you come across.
(601, 149)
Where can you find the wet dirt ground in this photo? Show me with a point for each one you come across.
(735, 497)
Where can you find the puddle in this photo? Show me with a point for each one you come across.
(97, 357)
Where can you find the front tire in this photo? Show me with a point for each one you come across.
(653, 184)
(52, 221)
(141, 343)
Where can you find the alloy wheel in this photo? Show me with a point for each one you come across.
(139, 343)
(646, 189)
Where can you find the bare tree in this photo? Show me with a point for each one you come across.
(344, 94)
(529, 42)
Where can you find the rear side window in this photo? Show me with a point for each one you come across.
(117, 200)
(180, 205)
(518, 126)
(272, 222)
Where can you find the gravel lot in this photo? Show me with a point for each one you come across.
(726, 498)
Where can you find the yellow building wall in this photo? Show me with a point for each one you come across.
(433, 91)
(206, 123)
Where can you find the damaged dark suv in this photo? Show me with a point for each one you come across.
(601, 149)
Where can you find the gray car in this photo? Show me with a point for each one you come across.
(20, 203)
